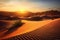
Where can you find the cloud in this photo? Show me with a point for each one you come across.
(4, 0)
(15, 5)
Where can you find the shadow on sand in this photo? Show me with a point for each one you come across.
(13, 28)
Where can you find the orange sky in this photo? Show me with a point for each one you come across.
(27, 5)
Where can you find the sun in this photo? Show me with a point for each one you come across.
(23, 11)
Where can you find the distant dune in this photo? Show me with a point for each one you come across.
(50, 31)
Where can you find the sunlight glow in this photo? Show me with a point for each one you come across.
(23, 11)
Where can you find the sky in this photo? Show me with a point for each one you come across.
(29, 5)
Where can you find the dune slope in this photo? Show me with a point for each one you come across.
(50, 31)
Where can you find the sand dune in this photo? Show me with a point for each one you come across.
(50, 31)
